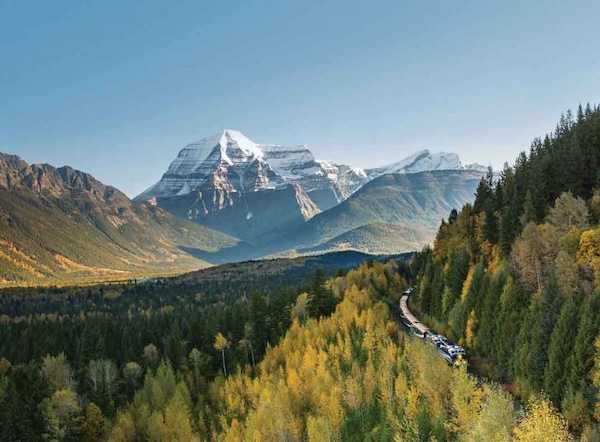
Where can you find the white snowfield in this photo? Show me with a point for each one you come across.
(424, 161)
(231, 160)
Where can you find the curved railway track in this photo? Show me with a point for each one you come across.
(449, 351)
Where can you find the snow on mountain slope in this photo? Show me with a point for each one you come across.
(228, 160)
(231, 162)
(419, 162)
(291, 162)
(326, 183)
(476, 167)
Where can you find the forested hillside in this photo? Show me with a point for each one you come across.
(62, 349)
(186, 360)
(515, 277)
(393, 212)
(59, 225)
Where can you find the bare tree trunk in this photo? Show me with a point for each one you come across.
(537, 273)
(252, 353)
(224, 367)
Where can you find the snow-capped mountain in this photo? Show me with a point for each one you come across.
(424, 161)
(326, 183)
(225, 181)
(229, 182)
(232, 162)
(225, 161)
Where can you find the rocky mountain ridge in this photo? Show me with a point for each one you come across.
(61, 223)
(232, 162)
(232, 179)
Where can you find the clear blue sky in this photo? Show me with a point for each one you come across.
(116, 88)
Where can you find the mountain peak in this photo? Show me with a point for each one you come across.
(232, 162)
(420, 161)
(231, 137)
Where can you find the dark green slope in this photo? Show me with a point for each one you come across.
(377, 237)
(283, 270)
(414, 203)
(62, 224)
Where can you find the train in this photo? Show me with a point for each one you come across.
(451, 352)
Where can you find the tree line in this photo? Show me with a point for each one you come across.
(71, 357)
(515, 276)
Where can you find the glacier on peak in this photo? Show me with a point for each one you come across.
(476, 167)
(419, 162)
(231, 162)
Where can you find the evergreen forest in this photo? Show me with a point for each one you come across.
(284, 350)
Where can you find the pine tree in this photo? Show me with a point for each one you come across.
(531, 356)
(437, 290)
(528, 357)
(559, 351)
(321, 301)
(483, 193)
(529, 212)
(280, 314)
(489, 315)
(491, 224)
(258, 321)
(550, 304)
(21, 416)
(512, 300)
(506, 231)
(457, 273)
(582, 357)
(452, 217)
(425, 291)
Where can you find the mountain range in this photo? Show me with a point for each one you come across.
(224, 198)
(258, 193)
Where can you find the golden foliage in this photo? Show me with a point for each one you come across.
(595, 376)
(466, 401)
(348, 376)
(332, 371)
(542, 424)
(470, 329)
(221, 342)
(21, 264)
(588, 253)
(124, 428)
(467, 284)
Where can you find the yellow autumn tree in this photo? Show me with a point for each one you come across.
(470, 329)
(123, 429)
(221, 344)
(588, 253)
(595, 376)
(467, 284)
(466, 401)
(542, 424)
(495, 419)
(355, 376)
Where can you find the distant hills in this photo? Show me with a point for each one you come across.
(284, 270)
(60, 223)
(392, 213)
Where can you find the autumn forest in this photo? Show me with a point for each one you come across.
(273, 350)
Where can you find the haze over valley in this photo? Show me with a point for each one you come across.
(224, 198)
